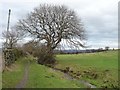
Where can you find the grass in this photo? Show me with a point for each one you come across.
(12, 75)
(0, 80)
(39, 76)
(104, 64)
(44, 77)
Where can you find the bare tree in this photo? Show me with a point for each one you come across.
(51, 24)
(12, 36)
(31, 47)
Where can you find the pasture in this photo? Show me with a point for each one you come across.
(102, 64)
(99, 69)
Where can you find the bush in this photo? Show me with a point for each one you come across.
(18, 52)
(44, 56)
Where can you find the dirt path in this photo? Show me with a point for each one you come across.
(23, 82)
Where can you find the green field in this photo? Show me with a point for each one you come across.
(40, 76)
(104, 65)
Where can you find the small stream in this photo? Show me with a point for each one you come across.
(87, 84)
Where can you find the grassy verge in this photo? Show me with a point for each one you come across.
(104, 65)
(12, 75)
(44, 77)
(39, 76)
(0, 80)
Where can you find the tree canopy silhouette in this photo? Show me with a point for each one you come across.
(51, 24)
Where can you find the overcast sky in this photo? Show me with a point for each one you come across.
(100, 17)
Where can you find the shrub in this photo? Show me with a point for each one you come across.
(44, 56)
(18, 53)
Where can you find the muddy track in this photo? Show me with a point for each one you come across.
(23, 82)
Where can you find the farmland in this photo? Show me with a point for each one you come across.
(99, 69)
(103, 64)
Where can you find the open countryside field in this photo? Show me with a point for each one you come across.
(99, 69)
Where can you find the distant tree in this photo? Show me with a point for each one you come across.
(51, 24)
(12, 36)
(107, 48)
